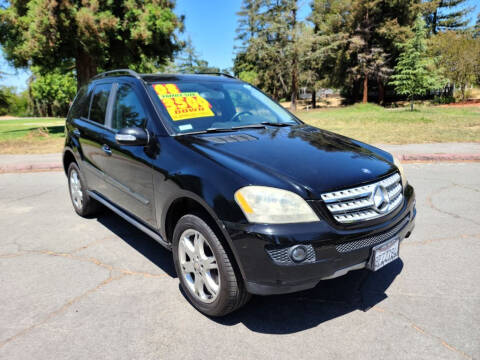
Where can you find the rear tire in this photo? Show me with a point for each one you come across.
(83, 204)
(205, 270)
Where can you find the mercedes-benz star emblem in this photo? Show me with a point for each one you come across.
(381, 200)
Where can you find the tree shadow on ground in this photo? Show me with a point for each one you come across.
(55, 129)
(279, 314)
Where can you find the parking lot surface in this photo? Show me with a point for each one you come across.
(74, 288)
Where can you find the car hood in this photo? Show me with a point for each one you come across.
(301, 158)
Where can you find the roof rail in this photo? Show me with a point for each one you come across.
(128, 72)
(216, 73)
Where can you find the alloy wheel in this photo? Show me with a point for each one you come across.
(76, 189)
(198, 266)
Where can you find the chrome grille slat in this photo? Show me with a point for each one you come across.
(357, 204)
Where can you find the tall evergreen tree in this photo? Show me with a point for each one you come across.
(445, 15)
(91, 35)
(269, 31)
(413, 73)
(357, 41)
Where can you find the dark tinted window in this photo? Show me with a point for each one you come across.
(80, 105)
(99, 103)
(127, 109)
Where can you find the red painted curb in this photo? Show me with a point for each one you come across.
(439, 157)
(14, 168)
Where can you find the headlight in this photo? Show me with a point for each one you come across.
(402, 172)
(266, 205)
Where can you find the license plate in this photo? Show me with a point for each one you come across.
(383, 254)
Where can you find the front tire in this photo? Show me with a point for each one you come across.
(205, 270)
(83, 204)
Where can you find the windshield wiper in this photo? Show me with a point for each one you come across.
(235, 128)
(255, 126)
(209, 130)
(276, 124)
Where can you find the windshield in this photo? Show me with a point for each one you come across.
(199, 106)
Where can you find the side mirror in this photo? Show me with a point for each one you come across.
(132, 136)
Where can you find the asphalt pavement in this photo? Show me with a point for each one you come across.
(74, 288)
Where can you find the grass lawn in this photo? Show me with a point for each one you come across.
(31, 135)
(369, 123)
(377, 125)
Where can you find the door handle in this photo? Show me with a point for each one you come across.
(76, 132)
(106, 149)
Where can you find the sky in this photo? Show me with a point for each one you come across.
(210, 24)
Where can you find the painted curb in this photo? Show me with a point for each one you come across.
(438, 157)
(14, 168)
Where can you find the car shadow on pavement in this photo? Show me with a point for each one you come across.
(285, 314)
(279, 314)
(138, 240)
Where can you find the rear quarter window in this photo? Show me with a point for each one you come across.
(80, 105)
(98, 108)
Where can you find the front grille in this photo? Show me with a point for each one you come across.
(281, 256)
(372, 240)
(358, 204)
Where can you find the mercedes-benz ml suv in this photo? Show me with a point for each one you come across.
(249, 199)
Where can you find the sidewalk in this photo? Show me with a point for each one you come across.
(405, 153)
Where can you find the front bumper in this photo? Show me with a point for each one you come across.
(337, 249)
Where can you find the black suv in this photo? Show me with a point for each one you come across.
(249, 198)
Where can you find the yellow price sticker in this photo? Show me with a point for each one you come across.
(182, 106)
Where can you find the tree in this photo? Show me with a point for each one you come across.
(270, 46)
(413, 75)
(458, 57)
(91, 35)
(188, 61)
(357, 42)
(51, 94)
(476, 28)
(443, 15)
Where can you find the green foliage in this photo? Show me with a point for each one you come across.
(12, 103)
(249, 76)
(443, 15)
(52, 93)
(91, 35)
(356, 42)
(459, 57)
(443, 99)
(271, 45)
(413, 74)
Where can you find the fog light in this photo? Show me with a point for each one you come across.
(298, 253)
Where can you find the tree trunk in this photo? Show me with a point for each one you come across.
(365, 90)
(314, 99)
(411, 104)
(381, 92)
(85, 66)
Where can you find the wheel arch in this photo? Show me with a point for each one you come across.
(186, 204)
(68, 158)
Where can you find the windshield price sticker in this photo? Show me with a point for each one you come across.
(182, 106)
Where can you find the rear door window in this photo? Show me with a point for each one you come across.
(98, 108)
